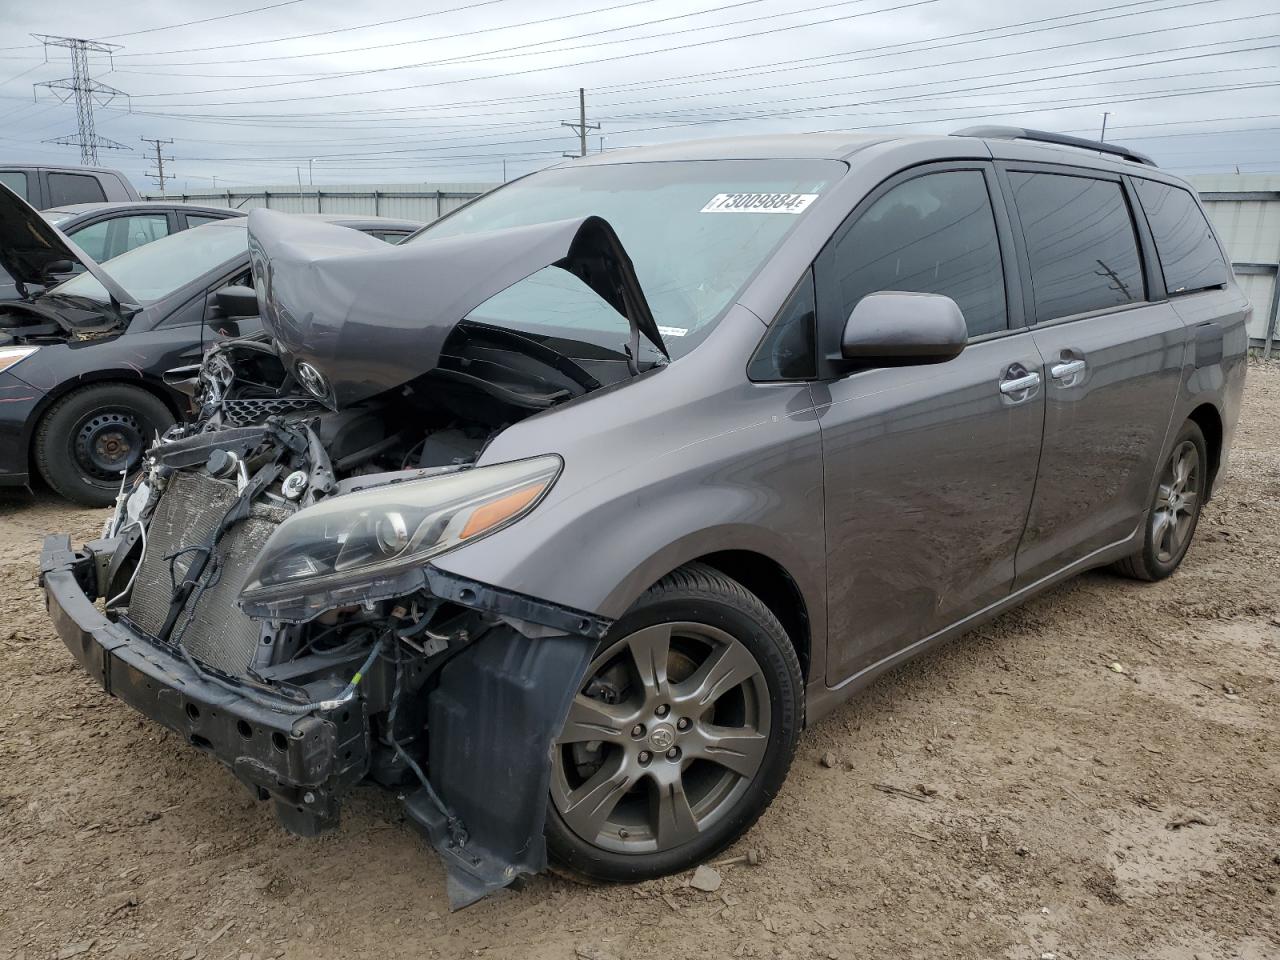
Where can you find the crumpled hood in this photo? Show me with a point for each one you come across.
(29, 245)
(369, 316)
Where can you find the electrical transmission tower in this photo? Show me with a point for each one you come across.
(158, 174)
(87, 92)
(581, 127)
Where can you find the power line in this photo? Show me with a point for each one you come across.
(87, 93)
(626, 56)
(192, 23)
(402, 43)
(772, 66)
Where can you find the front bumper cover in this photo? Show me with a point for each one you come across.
(493, 718)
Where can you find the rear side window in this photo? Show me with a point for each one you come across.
(1081, 244)
(66, 188)
(933, 234)
(110, 238)
(198, 220)
(16, 181)
(1189, 256)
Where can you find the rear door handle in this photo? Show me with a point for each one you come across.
(1019, 384)
(1067, 368)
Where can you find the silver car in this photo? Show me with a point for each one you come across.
(565, 516)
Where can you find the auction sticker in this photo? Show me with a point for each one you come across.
(759, 203)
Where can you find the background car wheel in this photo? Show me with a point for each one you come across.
(1175, 509)
(681, 735)
(90, 435)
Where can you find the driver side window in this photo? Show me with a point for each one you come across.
(933, 234)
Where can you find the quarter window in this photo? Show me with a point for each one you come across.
(787, 351)
(933, 234)
(1081, 245)
(67, 188)
(1189, 255)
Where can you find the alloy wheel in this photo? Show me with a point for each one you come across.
(662, 741)
(1177, 500)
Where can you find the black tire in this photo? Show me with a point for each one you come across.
(1155, 561)
(700, 593)
(90, 430)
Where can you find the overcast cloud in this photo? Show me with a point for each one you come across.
(449, 96)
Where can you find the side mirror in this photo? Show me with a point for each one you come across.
(897, 329)
(236, 301)
(55, 268)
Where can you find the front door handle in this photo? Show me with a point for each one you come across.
(1067, 368)
(1019, 384)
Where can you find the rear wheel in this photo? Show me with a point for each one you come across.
(1175, 509)
(89, 436)
(681, 734)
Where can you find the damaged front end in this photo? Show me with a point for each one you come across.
(267, 587)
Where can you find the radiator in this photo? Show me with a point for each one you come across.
(210, 627)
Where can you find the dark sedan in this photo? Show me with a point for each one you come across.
(81, 364)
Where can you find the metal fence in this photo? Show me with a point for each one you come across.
(1245, 210)
(424, 202)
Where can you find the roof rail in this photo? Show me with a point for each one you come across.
(1061, 139)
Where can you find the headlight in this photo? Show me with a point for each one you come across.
(371, 545)
(11, 356)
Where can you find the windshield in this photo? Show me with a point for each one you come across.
(154, 271)
(696, 231)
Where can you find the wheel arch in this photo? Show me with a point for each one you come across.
(773, 586)
(96, 378)
(1209, 420)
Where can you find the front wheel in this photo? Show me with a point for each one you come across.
(681, 735)
(92, 435)
(1175, 509)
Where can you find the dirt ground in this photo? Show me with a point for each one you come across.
(1079, 812)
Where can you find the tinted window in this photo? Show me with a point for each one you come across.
(1080, 241)
(933, 234)
(1189, 256)
(74, 188)
(16, 181)
(787, 351)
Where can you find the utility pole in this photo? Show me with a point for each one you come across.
(1103, 136)
(581, 127)
(158, 175)
(86, 91)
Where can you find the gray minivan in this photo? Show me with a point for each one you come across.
(563, 517)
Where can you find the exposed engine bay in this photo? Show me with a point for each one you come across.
(379, 663)
(266, 578)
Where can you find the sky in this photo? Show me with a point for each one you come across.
(330, 92)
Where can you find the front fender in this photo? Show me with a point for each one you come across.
(662, 470)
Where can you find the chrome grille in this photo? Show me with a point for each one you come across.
(210, 627)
